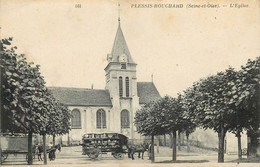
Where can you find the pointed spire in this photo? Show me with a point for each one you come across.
(120, 46)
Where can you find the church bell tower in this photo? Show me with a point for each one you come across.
(121, 69)
(122, 85)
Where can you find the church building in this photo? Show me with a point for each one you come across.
(111, 109)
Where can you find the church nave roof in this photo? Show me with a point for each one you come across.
(82, 96)
(100, 97)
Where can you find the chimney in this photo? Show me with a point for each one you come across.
(92, 86)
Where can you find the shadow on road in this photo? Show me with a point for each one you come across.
(184, 161)
(246, 160)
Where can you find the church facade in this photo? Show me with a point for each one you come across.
(112, 109)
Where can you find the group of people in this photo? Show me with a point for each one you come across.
(38, 150)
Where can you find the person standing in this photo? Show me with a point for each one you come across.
(50, 145)
(51, 151)
(38, 151)
(150, 151)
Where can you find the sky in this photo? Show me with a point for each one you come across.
(177, 46)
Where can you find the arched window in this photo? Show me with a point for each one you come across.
(125, 119)
(101, 118)
(120, 86)
(75, 120)
(127, 86)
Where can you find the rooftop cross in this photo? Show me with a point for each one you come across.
(119, 12)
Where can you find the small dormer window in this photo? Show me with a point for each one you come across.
(123, 65)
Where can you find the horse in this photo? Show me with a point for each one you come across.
(132, 149)
(52, 151)
(58, 147)
(38, 150)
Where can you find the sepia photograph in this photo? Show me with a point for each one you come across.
(130, 83)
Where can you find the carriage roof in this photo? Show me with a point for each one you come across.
(16, 142)
(104, 136)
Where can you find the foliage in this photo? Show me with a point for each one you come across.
(209, 100)
(9, 88)
(23, 88)
(189, 115)
(227, 101)
(245, 96)
(27, 105)
(59, 122)
(162, 116)
(174, 112)
(149, 121)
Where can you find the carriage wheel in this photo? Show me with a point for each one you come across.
(27, 157)
(4, 156)
(94, 154)
(119, 156)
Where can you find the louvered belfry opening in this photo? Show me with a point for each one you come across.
(120, 86)
(127, 86)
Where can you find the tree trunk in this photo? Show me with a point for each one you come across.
(225, 145)
(221, 136)
(44, 149)
(171, 140)
(188, 143)
(53, 140)
(61, 141)
(152, 149)
(182, 139)
(252, 142)
(164, 139)
(157, 144)
(179, 140)
(174, 151)
(239, 145)
(1, 152)
(248, 145)
(30, 157)
(68, 139)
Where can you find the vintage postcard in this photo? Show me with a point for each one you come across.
(107, 63)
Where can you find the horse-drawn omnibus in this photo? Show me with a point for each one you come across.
(95, 144)
(17, 143)
(13, 144)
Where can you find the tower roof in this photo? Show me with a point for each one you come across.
(120, 46)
